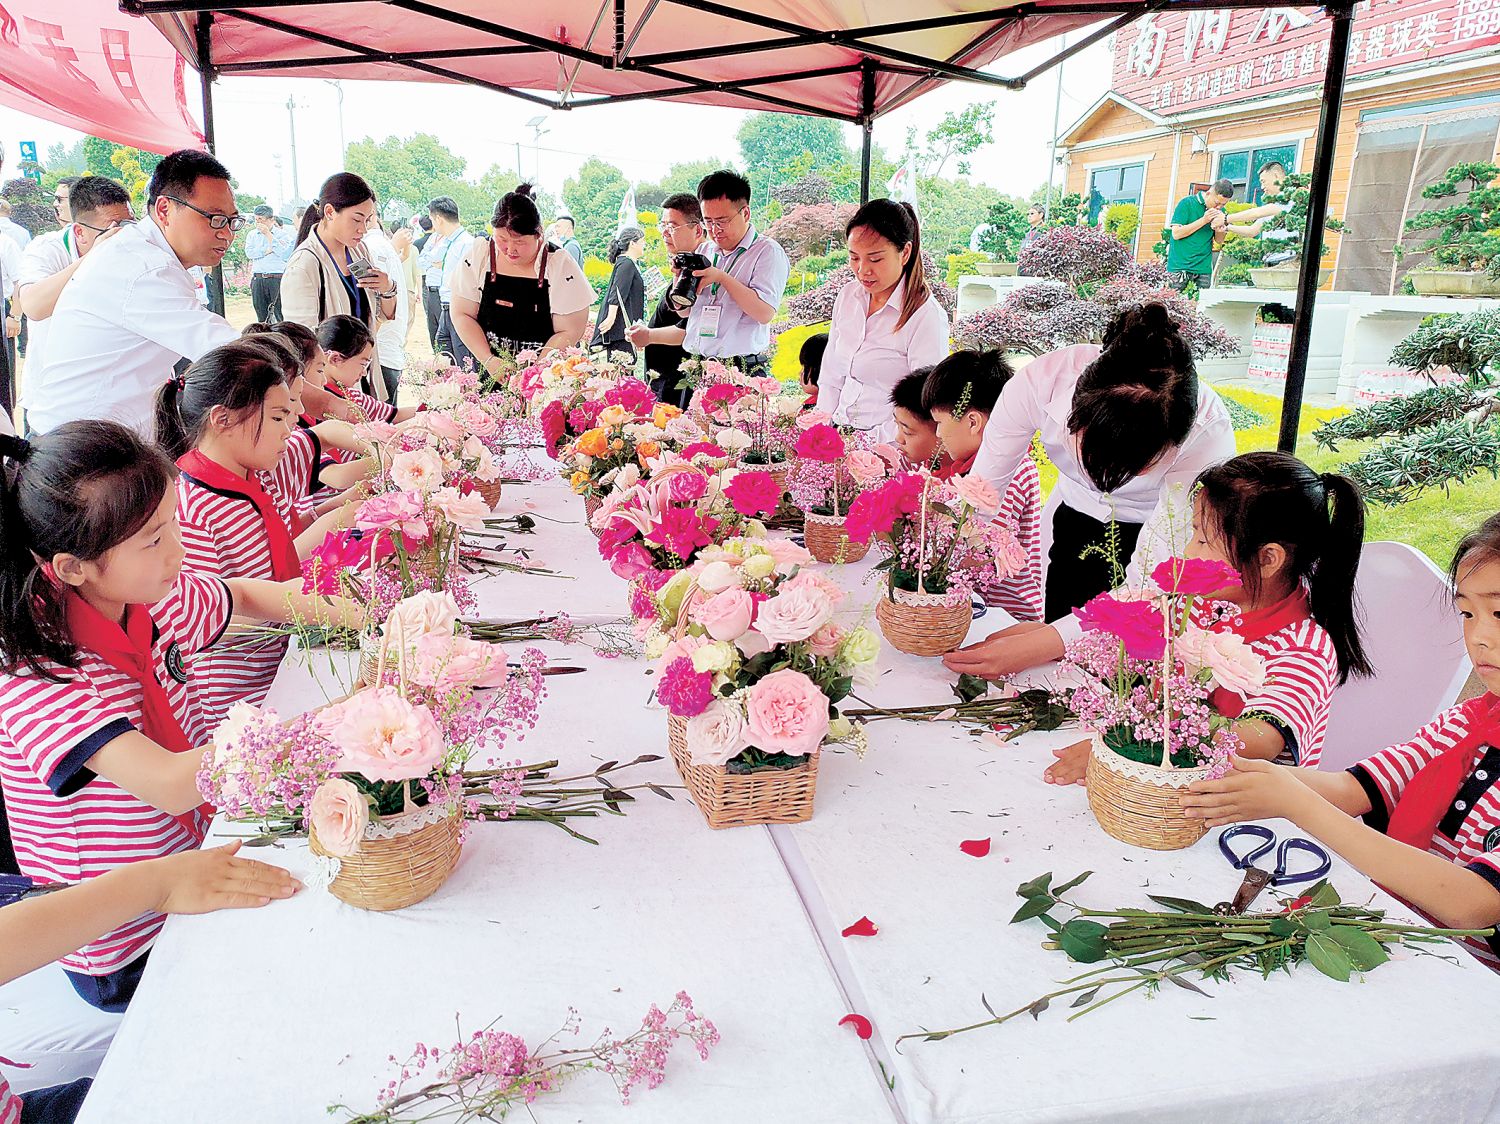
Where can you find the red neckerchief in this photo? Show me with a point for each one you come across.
(285, 565)
(1427, 796)
(951, 468)
(1257, 624)
(127, 649)
(1251, 626)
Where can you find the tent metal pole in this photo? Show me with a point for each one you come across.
(203, 36)
(1342, 15)
(867, 126)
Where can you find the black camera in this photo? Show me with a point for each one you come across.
(684, 290)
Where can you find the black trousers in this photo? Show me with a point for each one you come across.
(58, 1105)
(265, 295)
(432, 305)
(1081, 564)
(392, 382)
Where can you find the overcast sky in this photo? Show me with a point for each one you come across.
(642, 138)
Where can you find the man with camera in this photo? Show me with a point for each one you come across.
(732, 283)
(681, 226)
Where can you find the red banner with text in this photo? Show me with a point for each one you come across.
(1175, 62)
(87, 65)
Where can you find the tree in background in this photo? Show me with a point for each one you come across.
(28, 206)
(593, 197)
(818, 229)
(679, 177)
(959, 134)
(1005, 226)
(950, 210)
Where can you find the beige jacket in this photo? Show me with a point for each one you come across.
(312, 289)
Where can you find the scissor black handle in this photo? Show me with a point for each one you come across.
(1267, 840)
(1307, 846)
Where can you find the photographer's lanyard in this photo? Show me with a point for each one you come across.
(729, 265)
(351, 284)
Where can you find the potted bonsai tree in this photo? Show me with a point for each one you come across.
(1000, 237)
(1465, 250)
(1271, 258)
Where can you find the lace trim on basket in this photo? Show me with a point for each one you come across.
(826, 520)
(325, 868)
(393, 827)
(1148, 774)
(930, 600)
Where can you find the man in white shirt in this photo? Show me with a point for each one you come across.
(390, 335)
(18, 233)
(131, 311)
(739, 293)
(455, 249)
(442, 212)
(100, 209)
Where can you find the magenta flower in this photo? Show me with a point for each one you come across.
(754, 493)
(686, 487)
(1194, 577)
(684, 692)
(681, 531)
(704, 448)
(1139, 625)
(631, 561)
(554, 424)
(633, 395)
(820, 443)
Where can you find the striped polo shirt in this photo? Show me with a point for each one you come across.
(1469, 833)
(222, 535)
(67, 823)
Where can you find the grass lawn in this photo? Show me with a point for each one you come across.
(1433, 522)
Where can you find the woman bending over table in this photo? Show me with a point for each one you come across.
(1129, 429)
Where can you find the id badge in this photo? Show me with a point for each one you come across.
(708, 323)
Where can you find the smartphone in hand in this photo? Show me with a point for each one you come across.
(359, 267)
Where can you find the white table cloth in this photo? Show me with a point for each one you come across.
(265, 1015)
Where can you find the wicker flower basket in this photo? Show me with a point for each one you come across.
(923, 624)
(402, 859)
(489, 492)
(828, 542)
(779, 471)
(591, 506)
(741, 799)
(1137, 803)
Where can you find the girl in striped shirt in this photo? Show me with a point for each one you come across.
(98, 718)
(1421, 818)
(1295, 539)
(958, 395)
(229, 423)
(350, 349)
(35, 932)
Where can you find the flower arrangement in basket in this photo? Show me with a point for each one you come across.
(565, 393)
(828, 476)
(377, 778)
(454, 448)
(941, 541)
(1149, 678)
(660, 523)
(752, 669)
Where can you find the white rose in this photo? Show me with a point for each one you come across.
(861, 646)
(717, 577)
(733, 441)
(442, 395)
(421, 614)
(418, 471)
(794, 614)
(714, 657)
(718, 734)
(759, 566)
(787, 405)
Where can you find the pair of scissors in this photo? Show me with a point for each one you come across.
(1256, 879)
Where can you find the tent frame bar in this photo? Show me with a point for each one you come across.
(874, 60)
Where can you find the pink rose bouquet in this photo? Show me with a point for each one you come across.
(664, 520)
(750, 657)
(1155, 678)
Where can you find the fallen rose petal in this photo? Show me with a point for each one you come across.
(864, 927)
(978, 848)
(944, 715)
(862, 1025)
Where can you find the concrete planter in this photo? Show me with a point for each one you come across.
(1285, 276)
(1453, 283)
(996, 268)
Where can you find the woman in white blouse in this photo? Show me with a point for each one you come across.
(886, 322)
(1129, 428)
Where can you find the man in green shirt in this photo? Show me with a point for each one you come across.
(1199, 224)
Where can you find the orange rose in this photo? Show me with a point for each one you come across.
(663, 414)
(612, 417)
(593, 443)
(617, 444)
(644, 449)
(578, 482)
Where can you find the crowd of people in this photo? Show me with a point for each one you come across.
(173, 473)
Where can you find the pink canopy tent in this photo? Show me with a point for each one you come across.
(851, 60)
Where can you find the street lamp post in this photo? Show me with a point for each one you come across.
(343, 148)
(537, 127)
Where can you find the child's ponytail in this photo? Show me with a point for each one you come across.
(1331, 582)
(81, 489)
(1257, 499)
(236, 376)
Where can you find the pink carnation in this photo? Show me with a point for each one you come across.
(684, 691)
(1194, 577)
(1138, 624)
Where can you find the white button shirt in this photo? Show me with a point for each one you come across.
(757, 262)
(1040, 398)
(46, 255)
(868, 355)
(453, 257)
(390, 335)
(125, 319)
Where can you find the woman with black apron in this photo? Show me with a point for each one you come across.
(1129, 429)
(517, 292)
